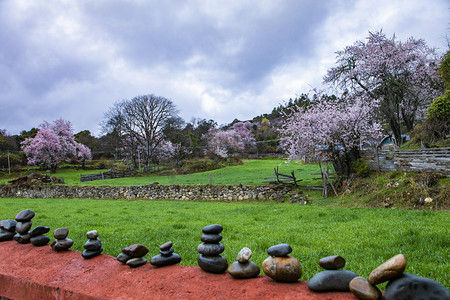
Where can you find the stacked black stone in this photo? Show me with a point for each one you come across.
(61, 243)
(210, 259)
(7, 230)
(332, 279)
(24, 224)
(133, 255)
(166, 257)
(93, 246)
(37, 236)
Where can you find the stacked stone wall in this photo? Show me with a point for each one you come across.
(151, 192)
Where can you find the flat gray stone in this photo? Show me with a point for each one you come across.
(137, 250)
(214, 228)
(23, 227)
(136, 262)
(6, 235)
(93, 245)
(210, 249)
(212, 264)
(408, 287)
(331, 280)
(166, 246)
(161, 261)
(279, 250)
(93, 234)
(39, 230)
(8, 225)
(61, 233)
(61, 244)
(244, 270)
(22, 239)
(39, 240)
(24, 215)
(123, 257)
(211, 238)
(166, 252)
(87, 254)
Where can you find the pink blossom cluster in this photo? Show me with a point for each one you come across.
(54, 143)
(238, 137)
(328, 128)
(401, 77)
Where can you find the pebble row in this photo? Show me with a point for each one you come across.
(279, 266)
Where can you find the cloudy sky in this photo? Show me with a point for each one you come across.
(214, 59)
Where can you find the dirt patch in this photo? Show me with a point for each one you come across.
(28, 272)
(35, 179)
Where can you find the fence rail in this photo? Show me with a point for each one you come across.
(418, 160)
(105, 175)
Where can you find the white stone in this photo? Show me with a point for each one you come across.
(244, 255)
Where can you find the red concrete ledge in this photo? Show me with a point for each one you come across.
(28, 272)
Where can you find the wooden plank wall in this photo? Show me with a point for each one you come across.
(418, 160)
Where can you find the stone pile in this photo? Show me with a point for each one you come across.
(133, 256)
(210, 259)
(93, 246)
(38, 237)
(166, 256)
(280, 266)
(61, 243)
(243, 267)
(7, 230)
(24, 224)
(400, 285)
(332, 279)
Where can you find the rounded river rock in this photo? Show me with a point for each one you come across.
(282, 269)
(362, 289)
(279, 250)
(390, 269)
(331, 280)
(211, 229)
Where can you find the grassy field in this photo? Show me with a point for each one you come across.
(364, 237)
(252, 172)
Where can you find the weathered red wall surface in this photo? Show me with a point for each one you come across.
(28, 272)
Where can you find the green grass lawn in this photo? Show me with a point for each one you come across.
(364, 237)
(252, 172)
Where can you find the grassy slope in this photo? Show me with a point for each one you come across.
(364, 237)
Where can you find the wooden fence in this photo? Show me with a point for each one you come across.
(105, 175)
(419, 160)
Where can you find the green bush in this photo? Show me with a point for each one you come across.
(361, 168)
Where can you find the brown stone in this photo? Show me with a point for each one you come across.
(363, 290)
(390, 269)
(283, 269)
(332, 262)
(136, 250)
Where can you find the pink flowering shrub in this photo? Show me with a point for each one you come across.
(54, 143)
(330, 129)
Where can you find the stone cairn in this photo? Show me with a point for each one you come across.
(243, 267)
(210, 259)
(7, 230)
(166, 256)
(38, 237)
(93, 246)
(133, 256)
(23, 224)
(280, 266)
(61, 243)
(332, 279)
(400, 285)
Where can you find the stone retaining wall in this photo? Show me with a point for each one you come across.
(155, 191)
